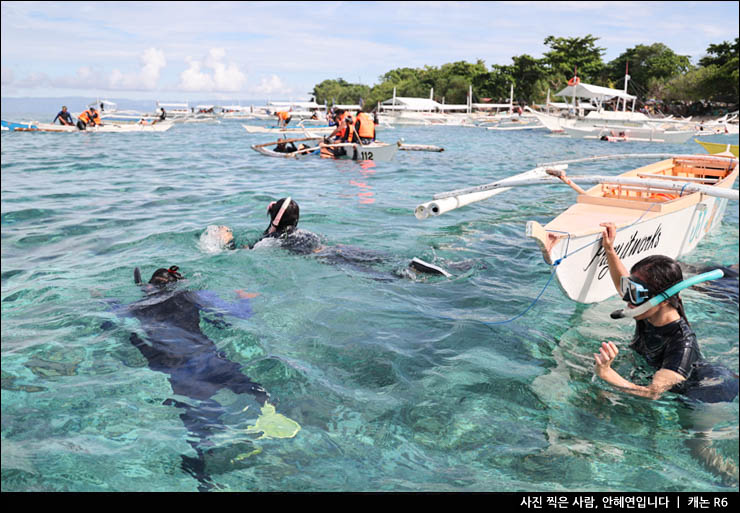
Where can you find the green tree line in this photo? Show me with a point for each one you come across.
(656, 72)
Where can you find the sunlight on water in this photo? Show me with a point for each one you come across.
(398, 382)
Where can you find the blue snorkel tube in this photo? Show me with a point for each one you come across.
(671, 291)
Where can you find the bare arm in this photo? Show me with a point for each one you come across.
(616, 267)
(663, 380)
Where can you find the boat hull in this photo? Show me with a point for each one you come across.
(572, 240)
(105, 128)
(634, 134)
(252, 129)
(377, 151)
(714, 148)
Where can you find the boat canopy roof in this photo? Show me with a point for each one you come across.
(484, 106)
(348, 107)
(453, 106)
(582, 90)
(406, 103)
(302, 105)
(165, 104)
(562, 105)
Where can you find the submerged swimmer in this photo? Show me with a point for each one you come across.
(283, 230)
(175, 345)
(664, 337)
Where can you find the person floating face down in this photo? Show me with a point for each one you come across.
(174, 344)
(284, 215)
(64, 117)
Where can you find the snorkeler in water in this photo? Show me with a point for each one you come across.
(174, 344)
(283, 228)
(664, 337)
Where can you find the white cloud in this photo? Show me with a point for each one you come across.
(6, 76)
(271, 85)
(152, 63)
(224, 77)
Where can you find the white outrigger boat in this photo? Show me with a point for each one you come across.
(629, 134)
(377, 151)
(663, 208)
(252, 129)
(33, 126)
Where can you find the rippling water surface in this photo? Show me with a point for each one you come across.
(396, 383)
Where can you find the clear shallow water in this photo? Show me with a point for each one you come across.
(391, 394)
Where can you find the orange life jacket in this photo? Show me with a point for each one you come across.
(283, 115)
(367, 127)
(341, 126)
(349, 132)
(89, 117)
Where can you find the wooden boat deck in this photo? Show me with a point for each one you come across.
(622, 204)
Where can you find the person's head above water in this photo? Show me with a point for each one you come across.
(651, 276)
(164, 276)
(284, 214)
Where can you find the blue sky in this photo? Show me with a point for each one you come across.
(279, 50)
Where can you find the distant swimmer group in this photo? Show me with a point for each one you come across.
(360, 129)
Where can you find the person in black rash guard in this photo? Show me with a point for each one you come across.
(665, 339)
(283, 229)
(175, 345)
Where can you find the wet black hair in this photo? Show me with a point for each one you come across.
(659, 273)
(289, 219)
(163, 276)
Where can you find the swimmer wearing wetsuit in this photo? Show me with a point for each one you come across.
(663, 335)
(175, 345)
(283, 227)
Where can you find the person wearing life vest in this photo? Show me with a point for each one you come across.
(284, 118)
(364, 127)
(338, 132)
(89, 117)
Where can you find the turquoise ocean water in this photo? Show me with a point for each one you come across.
(398, 384)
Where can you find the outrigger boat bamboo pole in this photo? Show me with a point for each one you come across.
(447, 201)
(632, 156)
(285, 141)
(418, 147)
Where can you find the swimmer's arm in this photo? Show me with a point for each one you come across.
(240, 308)
(616, 267)
(663, 380)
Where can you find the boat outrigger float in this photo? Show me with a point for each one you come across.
(663, 208)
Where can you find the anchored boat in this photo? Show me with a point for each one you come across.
(286, 148)
(663, 208)
(714, 148)
(33, 126)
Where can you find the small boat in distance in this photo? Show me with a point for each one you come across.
(629, 134)
(377, 151)
(715, 148)
(33, 126)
